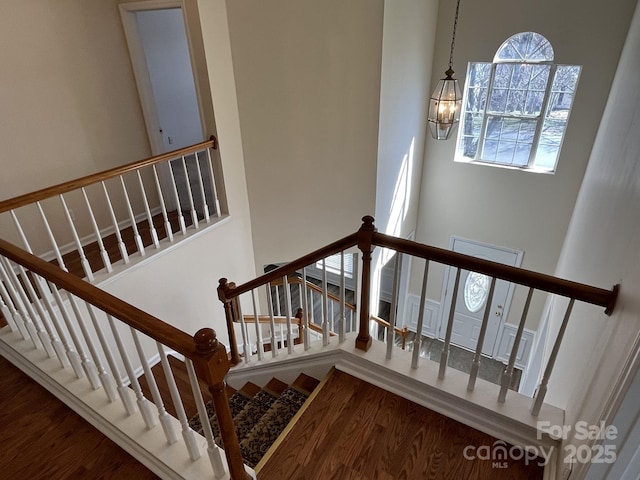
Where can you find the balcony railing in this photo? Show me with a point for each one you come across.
(94, 223)
(256, 296)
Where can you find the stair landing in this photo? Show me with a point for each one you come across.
(354, 430)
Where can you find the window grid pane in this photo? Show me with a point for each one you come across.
(514, 113)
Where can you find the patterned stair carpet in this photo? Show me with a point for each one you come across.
(260, 415)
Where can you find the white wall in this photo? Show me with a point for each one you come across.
(602, 249)
(308, 83)
(407, 55)
(512, 208)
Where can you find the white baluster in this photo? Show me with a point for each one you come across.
(10, 313)
(21, 311)
(194, 214)
(122, 389)
(134, 224)
(278, 306)
(417, 341)
(475, 363)
(287, 307)
(343, 317)
(541, 391)
(133, 381)
(256, 317)
(183, 227)
(152, 228)
(214, 189)
(272, 323)
(215, 455)
(50, 335)
(393, 311)
(70, 350)
(304, 302)
(121, 246)
(332, 315)
(93, 366)
(187, 433)
(325, 306)
(23, 237)
(83, 259)
(54, 244)
(165, 217)
(308, 313)
(246, 350)
(205, 207)
(507, 375)
(85, 363)
(103, 251)
(21, 232)
(165, 418)
(444, 356)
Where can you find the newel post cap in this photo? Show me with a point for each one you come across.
(206, 341)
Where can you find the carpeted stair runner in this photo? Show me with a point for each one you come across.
(260, 415)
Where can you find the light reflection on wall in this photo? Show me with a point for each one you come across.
(397, 214)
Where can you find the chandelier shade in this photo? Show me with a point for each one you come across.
(444, 107)
(446, 99)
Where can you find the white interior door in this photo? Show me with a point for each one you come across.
(473, 291)
(158, 43)
(166, 52)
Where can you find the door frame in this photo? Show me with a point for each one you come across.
(141, 72)
(442, 321)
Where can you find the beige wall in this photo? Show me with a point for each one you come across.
(602, 249)
(308, 82)
(68, 98)
(510, 208)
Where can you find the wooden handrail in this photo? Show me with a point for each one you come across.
(315, 288)
(548, 283)
(335, 247)
(151, 326)
(78, 183)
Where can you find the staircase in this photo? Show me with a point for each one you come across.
(260, 414)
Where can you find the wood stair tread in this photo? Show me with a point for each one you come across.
(275, 387)
(305, 383)
(249, 390)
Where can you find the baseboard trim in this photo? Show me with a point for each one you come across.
(149, 447)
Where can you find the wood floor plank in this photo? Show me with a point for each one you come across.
(355, 430)
(44, 439)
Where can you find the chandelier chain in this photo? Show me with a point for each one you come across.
(453, 37)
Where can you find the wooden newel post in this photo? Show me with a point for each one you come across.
(365, 244)
(229, 312)
(212, 365)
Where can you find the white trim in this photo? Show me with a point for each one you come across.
(442, 321)
(509, 421)
(431, 315)
(149, 447)
(104, 232)
(505, 343)
(141, 72)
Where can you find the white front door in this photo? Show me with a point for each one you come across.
(473, 291)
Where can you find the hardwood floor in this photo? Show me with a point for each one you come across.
(44, 439)
(354, 430)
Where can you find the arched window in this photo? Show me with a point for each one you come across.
(516, 109)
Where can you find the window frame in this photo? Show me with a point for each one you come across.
(487, 115)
